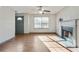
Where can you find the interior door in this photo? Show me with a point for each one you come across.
(19, 24)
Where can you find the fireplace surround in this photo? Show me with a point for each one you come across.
(69, 33)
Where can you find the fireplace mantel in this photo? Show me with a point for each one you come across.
(74, 23)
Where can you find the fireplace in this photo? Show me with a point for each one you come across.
(67, 35)
(67, 32)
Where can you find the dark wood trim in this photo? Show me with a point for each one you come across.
(37, 33)
(18, 33)
(26, 33)
(60, 44)
(42, 33)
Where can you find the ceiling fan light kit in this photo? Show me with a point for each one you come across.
(42, 11)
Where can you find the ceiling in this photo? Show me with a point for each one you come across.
(34, 9)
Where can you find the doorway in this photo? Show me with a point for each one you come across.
(19, 24)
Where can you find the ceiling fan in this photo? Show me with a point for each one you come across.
(42, 10)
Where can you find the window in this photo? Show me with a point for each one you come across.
(41, 22)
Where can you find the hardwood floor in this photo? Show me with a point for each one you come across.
(32, 43)
(24, 43)
(53, 45)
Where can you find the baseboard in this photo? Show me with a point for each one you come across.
(38, 33)
(42, 33)
(8, 40)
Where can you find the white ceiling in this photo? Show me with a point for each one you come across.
(34, 9)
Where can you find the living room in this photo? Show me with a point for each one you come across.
(58, 23)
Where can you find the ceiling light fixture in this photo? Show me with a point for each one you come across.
(42, 11)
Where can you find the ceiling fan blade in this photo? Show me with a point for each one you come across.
(47, 11)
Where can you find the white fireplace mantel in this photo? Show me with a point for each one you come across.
(75, 24)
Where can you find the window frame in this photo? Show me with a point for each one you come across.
(41, 23)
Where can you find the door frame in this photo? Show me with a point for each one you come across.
(16, 22)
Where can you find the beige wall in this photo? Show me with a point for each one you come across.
(67, 13)
(26, 21)
(7, 24)
(51, 24)
(29, 23)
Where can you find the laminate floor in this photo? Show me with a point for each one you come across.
(32, 43)
(24, 43)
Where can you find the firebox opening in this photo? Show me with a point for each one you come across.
(67, 35)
